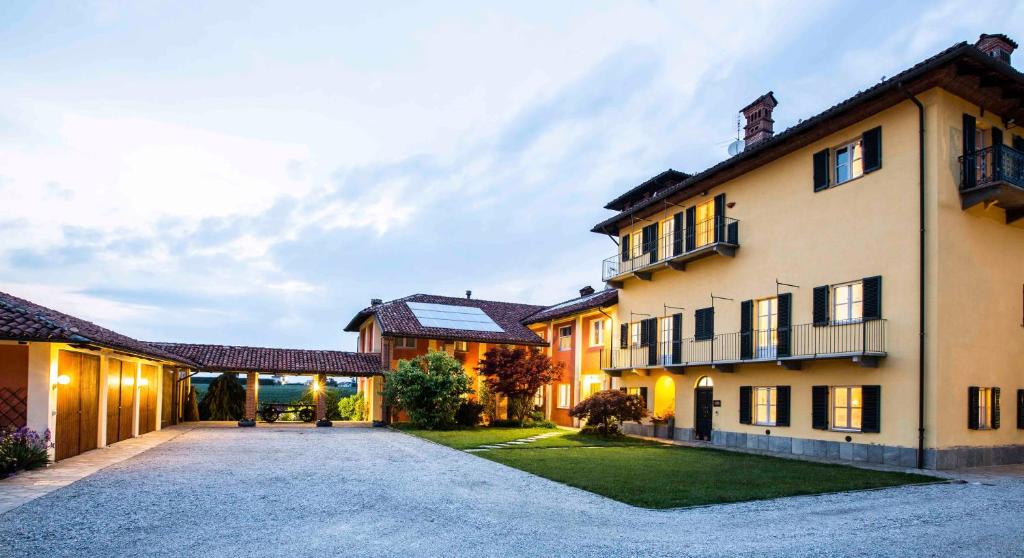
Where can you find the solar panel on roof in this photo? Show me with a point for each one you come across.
(444, 316)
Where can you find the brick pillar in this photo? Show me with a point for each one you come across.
(252, 386)
(321, 401)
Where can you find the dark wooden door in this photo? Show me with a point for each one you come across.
(77, 404)
(114, 401)
(147, 398)
(704, 403)
(127, 411)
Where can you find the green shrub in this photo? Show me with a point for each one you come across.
(510, 423)
(352, 407)
(470, 413)
(429, 388)
(22, 449)
(607, 409)
(487, 398)
(224, 400)
(191, 411)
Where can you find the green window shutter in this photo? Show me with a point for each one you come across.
(819, 407)
(649, 241)
(746, 329)
(782, 398)
(677, 234)
(821, 310)
(871, 409)
(691, 228)
(972, 407)
(719, 218)
(652, 341)
(872, 140)
(746, 404)
(872, 308)
(624, 335)
(705, 324)
(677, 338)
(994, 422)
(784, 341)
(969, 171)
(821, 171)
(625, 247)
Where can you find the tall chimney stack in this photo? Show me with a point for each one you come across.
(759, 119)
(587, 291)
(997, 46)
(469, 294)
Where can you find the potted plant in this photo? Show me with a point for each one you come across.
(664, 424)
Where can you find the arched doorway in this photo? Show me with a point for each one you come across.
(703, 402)
(665, 397)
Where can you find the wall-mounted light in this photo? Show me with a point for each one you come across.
(315, 386)
(63, 379)
(127, 380)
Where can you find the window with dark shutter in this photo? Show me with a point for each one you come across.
(677, 338)
(677, 234)
(746, 404)
(624, 335)
(994, 420)
(821, 305)
(821, 170)
(784, 335)
(747, 329)
(782, 402)
(625, 247)
(972, 407)
(819, 407)
(1018, 143)
(704, 319)
(649, 241)
(720, 218)
(691, 228)
(871, 409)
(652, 340)
(872, 298)
(969, 170)
(1020, 409)
(872, 140)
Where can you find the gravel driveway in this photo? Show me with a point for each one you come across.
(374, 492)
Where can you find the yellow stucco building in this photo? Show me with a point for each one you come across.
(850, 288)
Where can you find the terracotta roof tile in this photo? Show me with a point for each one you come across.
(600, 299)
(229, 358)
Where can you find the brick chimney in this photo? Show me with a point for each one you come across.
(469, 294)
(376, 302)
(759, 119)
(997, 46)
(587, 291)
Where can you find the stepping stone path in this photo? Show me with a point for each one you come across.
(514, 443)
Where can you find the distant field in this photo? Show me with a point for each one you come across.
(286, 393)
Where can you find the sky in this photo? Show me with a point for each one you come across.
(254, 173)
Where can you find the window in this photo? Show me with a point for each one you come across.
(704, 227)
(848, 302)
(637, 249)
(564, 396)
(849, 161)
(767, 327)
(461, 346)
(538, 398)
(765, 405)
(846, 408)
(405, 343)
(666, 340)
(591, 388)
(640, 392)
(635, 334)
(668, 230)
(597, 333)
(565, 338)
(984, 407)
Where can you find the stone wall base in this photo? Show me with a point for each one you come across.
(897, 456)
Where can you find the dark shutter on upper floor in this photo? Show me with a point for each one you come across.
(819, 407)
(782, 398)
(625, 247)
(652, 340)
(649, 241)
(746, 405)
(1020, 408)
(821, 305)
(969, 171)
(704, 324)
(784, 338)
(746, 329)
(997, 153)
(691, 228)
(720, 218)
(871, 409)
(677, 338)
(872, 298)
(997, 137)
(972, 407)
(872, 149)
(677, 234)
(821, 170)
(624, 335)
(994, 422)
(1018, 143)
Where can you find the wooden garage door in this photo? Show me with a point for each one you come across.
(78, 395)
(147, 398)
(120, 397)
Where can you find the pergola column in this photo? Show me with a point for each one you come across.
(320, 397)
(252, 398)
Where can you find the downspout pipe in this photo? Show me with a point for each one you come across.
(921, 277)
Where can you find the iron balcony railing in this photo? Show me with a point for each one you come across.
(671, 245)
(990, 165)
(799, 342)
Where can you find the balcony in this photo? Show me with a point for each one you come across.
(994, 175)
(673, 250)
(862, 341)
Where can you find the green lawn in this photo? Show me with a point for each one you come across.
(669, 477)
(473, 437)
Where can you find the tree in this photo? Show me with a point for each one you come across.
(606, 409)
(224, 399)
(518, 374)
(352, 407)
(429, 388)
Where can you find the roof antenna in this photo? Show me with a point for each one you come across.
(736, 147)
(469, 294)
